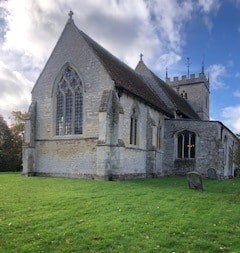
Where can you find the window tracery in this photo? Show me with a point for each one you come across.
(186, 145)
(69, 111)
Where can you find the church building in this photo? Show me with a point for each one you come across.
(92, 116)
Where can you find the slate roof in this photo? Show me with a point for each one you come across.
(126, 78)
(170, 96)
(130, 81)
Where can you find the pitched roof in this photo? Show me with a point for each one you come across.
(168, 94)
(125, 77)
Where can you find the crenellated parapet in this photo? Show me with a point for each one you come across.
(201, 78)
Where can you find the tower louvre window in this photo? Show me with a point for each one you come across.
(69, 103)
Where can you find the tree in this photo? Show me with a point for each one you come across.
(11, 140)
(17, 129)
(6, 146)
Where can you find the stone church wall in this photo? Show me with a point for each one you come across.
(143, 159)
(91, 72)
(67, 158)
(209, 150)
(62, 154)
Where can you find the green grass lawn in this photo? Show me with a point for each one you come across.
(148, 215)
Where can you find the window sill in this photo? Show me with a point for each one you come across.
(68, 136)
(72, 137)
(185, 159)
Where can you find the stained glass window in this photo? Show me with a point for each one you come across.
(78, 113)
(68, 115)
(69, 102)
(59, 113)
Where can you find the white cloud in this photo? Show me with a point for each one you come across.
(216, 74)
(209, 8)
(231, 117)
(169, 18)
(15, 91)
(31, 27)
(168, 59)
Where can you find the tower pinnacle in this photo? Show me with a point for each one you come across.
(203, 64)
(166, 73)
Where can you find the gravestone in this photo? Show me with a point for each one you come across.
(211, 173)
(194, 180)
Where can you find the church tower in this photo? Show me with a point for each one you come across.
(195, 90)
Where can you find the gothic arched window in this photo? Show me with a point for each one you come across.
(69, 111)
(186, 145)
(133, 127)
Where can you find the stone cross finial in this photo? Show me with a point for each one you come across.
(141, 56)
(70, 14)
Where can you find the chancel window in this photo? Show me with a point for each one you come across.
(186, 145)
(69, 103)
(133, 128)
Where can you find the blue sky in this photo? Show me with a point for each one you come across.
(218, 43)
(220, 46)
(165, 31)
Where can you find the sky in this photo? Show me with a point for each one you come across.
(166, 32)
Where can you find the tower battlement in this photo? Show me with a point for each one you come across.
(201, 78)
(195, 90)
